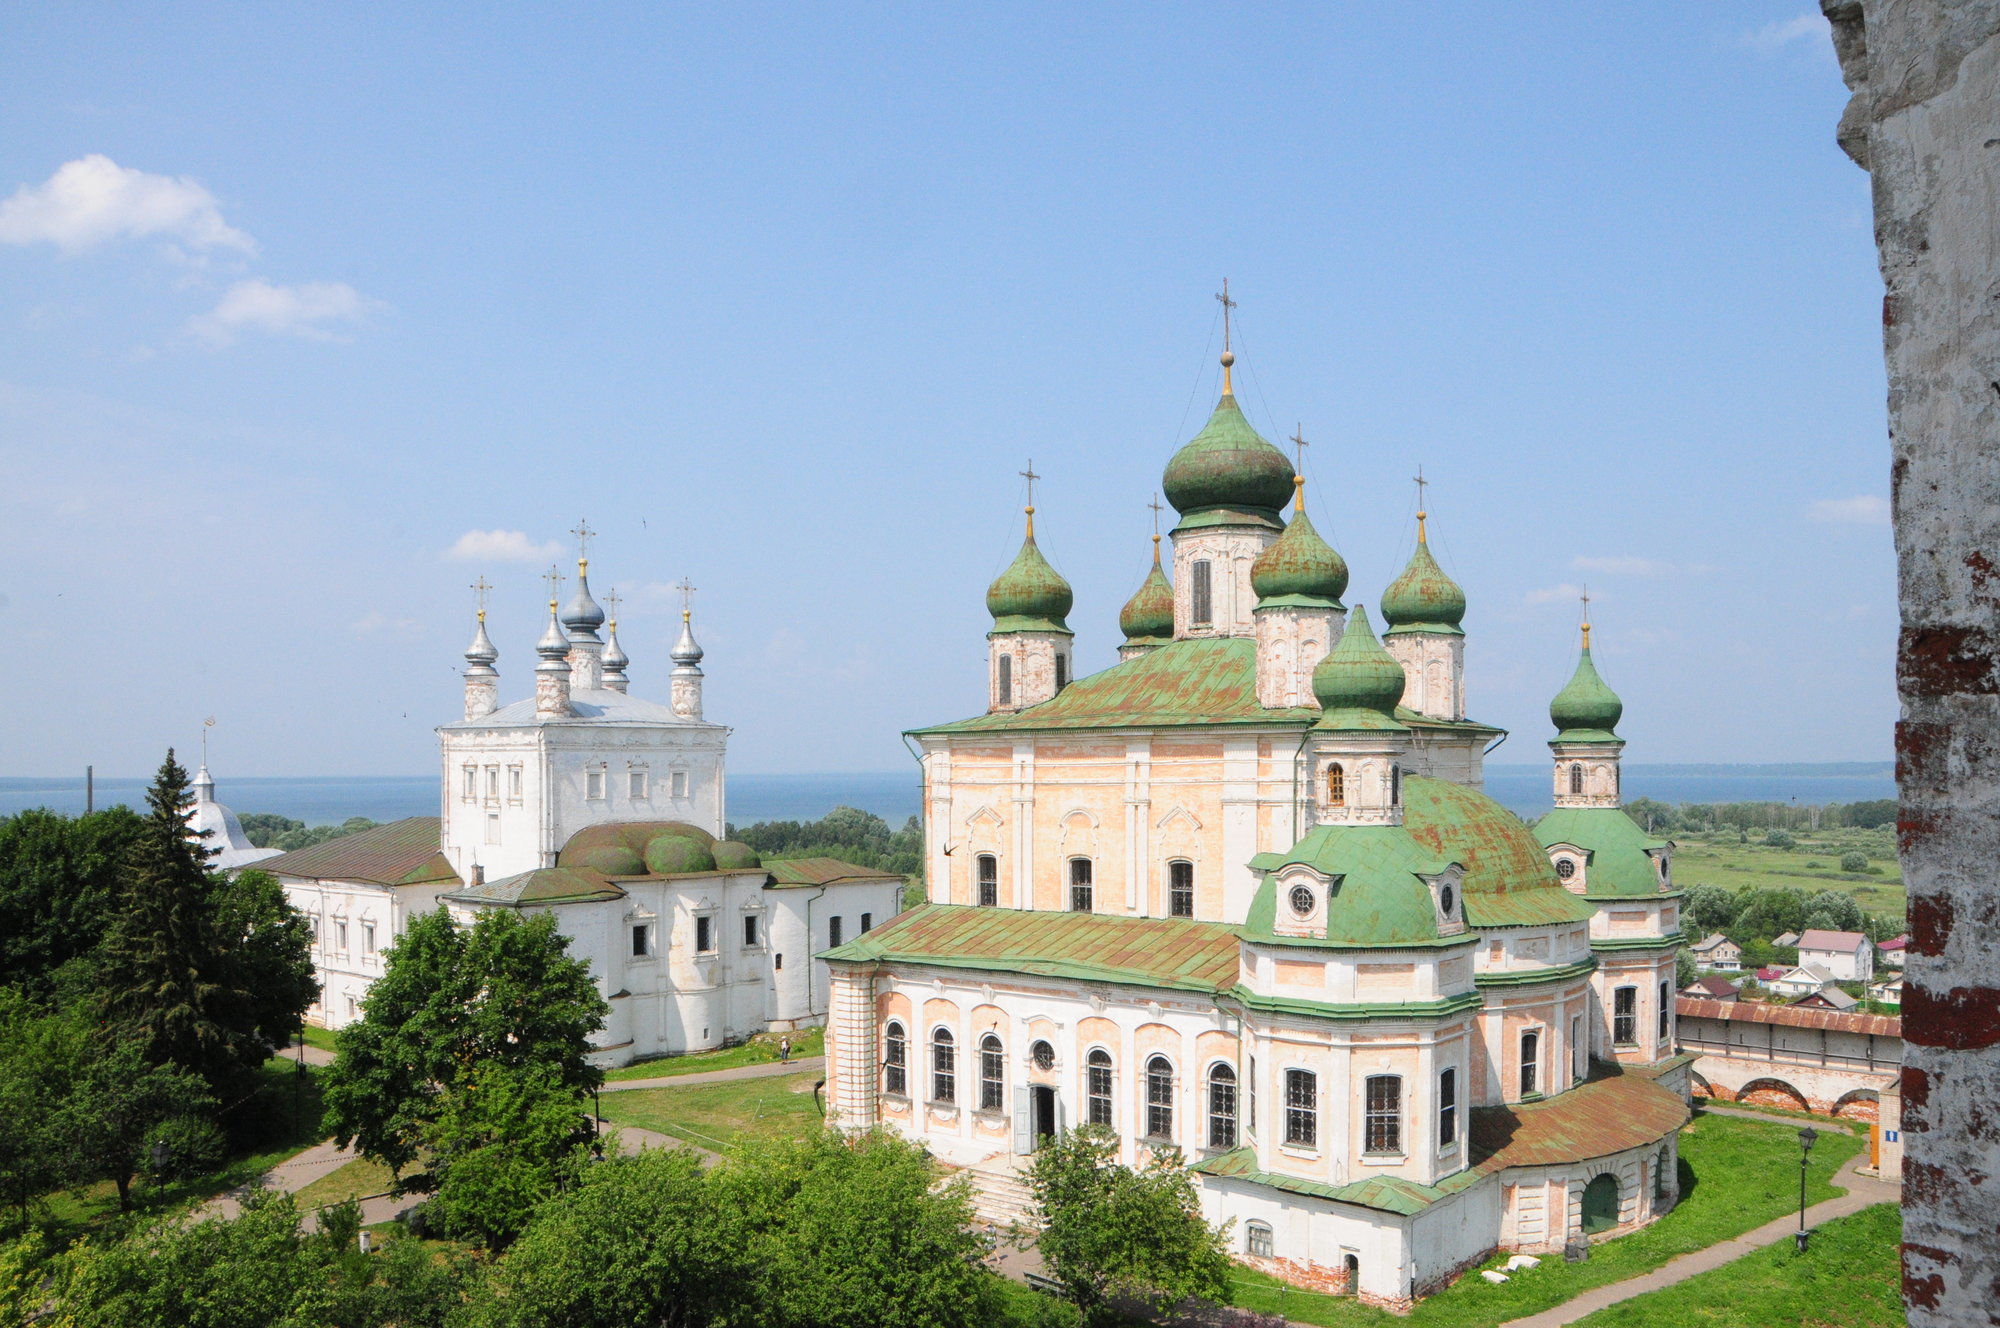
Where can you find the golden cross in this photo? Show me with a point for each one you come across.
(1227, 305)
(479, 588)
(686, 587)
(554, 577)
(583, 534)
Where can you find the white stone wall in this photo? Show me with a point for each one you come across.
(346, 970)
(1433, 669)
(1290, 644)
(1229, 551)
(1368, 784)
(1599, 763)
(1033, 657)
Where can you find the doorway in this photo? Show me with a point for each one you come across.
(1042, 1110)
(1600, 1205)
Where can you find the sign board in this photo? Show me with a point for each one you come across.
(1891, 1136)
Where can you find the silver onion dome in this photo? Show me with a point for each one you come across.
(685, 650)
(583, 616)
(481, 652)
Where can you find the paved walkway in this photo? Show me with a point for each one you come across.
(796, 1065)
(1861, 1192)
(300, 1170)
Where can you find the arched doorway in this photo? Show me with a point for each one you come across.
(1773, 1093)
(1600, 1204)
(1863, 1104)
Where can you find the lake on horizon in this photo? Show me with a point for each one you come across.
(894, 796)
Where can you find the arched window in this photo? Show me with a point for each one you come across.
(1301, 1108)
(1447, 1108)
(1221, 1107)
(1660, 1166)
(988, 870)
(895, 1061)
(1159, 1098)
(1006, 680)
(1395, 786)
(1062, 670)
(1079, 885)
(992, 1070)
(1666, 1012)
(1097, 1087)
(1180, 889)
(1576, 781)
(1531, 1061)
(1624, 1016)
(1383, 1132)
(1336, 785)
(1257, 1239)
(944, 1067)
(1201, 597)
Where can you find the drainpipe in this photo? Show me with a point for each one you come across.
(1298, 758)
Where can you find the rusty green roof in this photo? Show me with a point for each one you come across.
(1618, 1110)
(1618, 866)
(795, 873)
(400, 853)
(1509, 880)
(1083, 947)
(1204, 681)
(1381, 898)
(546, 885)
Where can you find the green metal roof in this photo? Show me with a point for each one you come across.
(400, 853)
(1509, 880)
(1030, 596)
(797, 873)
(1380, 899)
(1149, 615)
(547, 885)
(1619, 1110)
(1423, 598)
(1228, 473)
(1618, 865)
(1586, 710)
(1082, 947)
(1299, 568)
(1359, 684)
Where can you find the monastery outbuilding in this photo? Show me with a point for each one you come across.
(1240, 895)
(606, 810)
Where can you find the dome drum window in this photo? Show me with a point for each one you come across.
(1303, 900)
(1336, 785)
(1565, 868)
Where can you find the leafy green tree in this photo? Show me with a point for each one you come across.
(641, 1240)
(1780, 839)
(58, 884)
(1685, 971)
(504, 992)
(1111, 1230)
(1831, 910)
(1710, 908)
(1653, 816)
(505, 1140)
(1870, 815)
(1768, 912)
(268, 973)
(115, 1108)
(40, 1057)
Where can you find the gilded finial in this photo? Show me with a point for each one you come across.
(479, 588)
(1585, 597)
(686, 587)
(1228, 354)
(1299, 445)
(1157, 509)
(583, 534)
(1422, 483)
(1030, 476)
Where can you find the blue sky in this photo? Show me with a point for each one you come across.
(781, 298)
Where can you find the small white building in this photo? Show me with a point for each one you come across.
(1803, 980)
(1718, 953)
(1848, 955)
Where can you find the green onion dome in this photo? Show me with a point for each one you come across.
(1359, 683)
(1229, 468)
(1299, 565)
(1423, 598)
(1030, 596)
(1149, 615)
(1586, 710)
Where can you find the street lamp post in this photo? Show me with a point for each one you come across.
(1806, 1138)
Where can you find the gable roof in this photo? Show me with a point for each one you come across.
(1200, 681)
(545, 885)
(1715, 942)
(1830, 997)
(400, 853)
(796, 873)
(1716, 988)
(1085, 947)
(1814, 939)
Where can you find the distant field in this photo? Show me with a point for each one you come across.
(1719, 858)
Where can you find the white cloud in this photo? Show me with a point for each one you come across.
(1564, 593)
(310, 310)
(93, 201)
(501, 546)
(1867, 510)
(1783, 33)
(381, 624)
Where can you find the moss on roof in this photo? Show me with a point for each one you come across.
(546, 885)
(402, 852)
(792, 873)
(1509, 880)
(1617, 864)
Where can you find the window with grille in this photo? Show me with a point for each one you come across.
(1079, 885)
(1006, 680)
(1180, 889)
(992, 1070)
(1159, 1098)
(834, 930)
(1447, 1108)
(704, 935)
(1531, 1062)
(867, 923)
(1257, 1239)
(1302, 1108)
(1624, 1015)
(749, 929)
(1576, 781)
(895, 1060)
(1043, 1056)
(1097, 1087)
(1221, 1107)
(1336, 785)
(944, 1067)
(641, 946)
(1383, 1122)
(1062, 670)
(988, 869)
(1200, 599)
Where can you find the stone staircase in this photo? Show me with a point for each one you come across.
(1000, 1194)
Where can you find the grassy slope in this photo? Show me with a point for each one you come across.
(1849, 1278)
(762, 1051)
(1735, 1174)
(717, 1115)
(1721, 860)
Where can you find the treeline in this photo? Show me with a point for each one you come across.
(848, 833)
(1752, 918)
(270, 830)
(1663, 818)
(140, 995)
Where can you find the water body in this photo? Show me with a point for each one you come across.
(1528, 789)
(329, 801)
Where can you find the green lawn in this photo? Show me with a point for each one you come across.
(1735, 1174)
(352, 1180)
(1723, 861)
(760, 1050)
(319, 1037)
(715, 1116)
(1849, 1278)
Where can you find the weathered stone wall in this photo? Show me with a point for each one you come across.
(1925, 122)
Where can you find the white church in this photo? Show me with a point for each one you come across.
(607, 811)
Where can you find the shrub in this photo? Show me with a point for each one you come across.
(1854, 861)
(1779, 839)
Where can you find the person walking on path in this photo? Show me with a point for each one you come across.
(784, 1049)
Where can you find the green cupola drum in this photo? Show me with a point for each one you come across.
(1423, 609)
(1356, 747)
(1029, 647)
(1586, 746)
